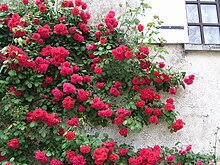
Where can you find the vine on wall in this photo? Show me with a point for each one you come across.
(58, 74)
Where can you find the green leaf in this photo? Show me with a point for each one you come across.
(33, 124)
(12, 73)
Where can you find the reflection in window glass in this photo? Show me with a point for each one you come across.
(192, 13)
(194, 34)
(211, 35)
(209, 14)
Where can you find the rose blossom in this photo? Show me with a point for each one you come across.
(85, 149)
(170, 158)
(70, 135)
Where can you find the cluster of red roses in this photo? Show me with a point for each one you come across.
(16, 58)
(189, 80)
(55, 55)
(41, 156)
(146, 156)
(106, 152)
(114, 90)
(13, 143)
(4, 7)
(69, 88)
(110, 21)
(15, 22)
(121, 53)
(42, 115)
(41, 7)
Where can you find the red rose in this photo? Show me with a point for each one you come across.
(113, 157)
(157, 112)
(97, 35)
(178, 163)
(123, 151)
(170, 100)
(48, 80)
(68, 88)
(117, 84)
(170, 158)
(140, 104)
(81, 108)
(157, 97)
(4, 7)
(140, 28)
(158, 80)
(36, 21)
(100, 84)
(70, 135)
(17, 93)
(13, 143)
(123, 131)
(153, 119)
(135, 87)
(44, 31)
(25, 2)
(85, 149)
(136, 81)
(172, 90)
(86, 79)
(78, 2)
(41, 157)
(42, 68)
(118, 120)
(78, 37)
(40, 41)
(114, 92)
(70, 154)
(161, 64)
(73, 122)
(84, 5)
(75, 11)
(128, 54)
(103, 40)
(36, 36)
(56, 162)
(177, 125)
(169, 107)
(68, 103)
(61, 19)
(42, 8)
(8, 163)
(98, 70)
(72, 30)
(78, 160)
(83, 95)
(61, 132)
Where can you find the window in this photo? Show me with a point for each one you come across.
(173, 14)
(203, 21)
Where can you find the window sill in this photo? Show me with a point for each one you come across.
(200, 47)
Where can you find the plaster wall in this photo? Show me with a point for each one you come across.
(198, 104)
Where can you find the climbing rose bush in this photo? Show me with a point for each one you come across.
(59, 74)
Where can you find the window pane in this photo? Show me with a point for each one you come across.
(209, 14)
(192, 13)
(211, 35)
(194, 34)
